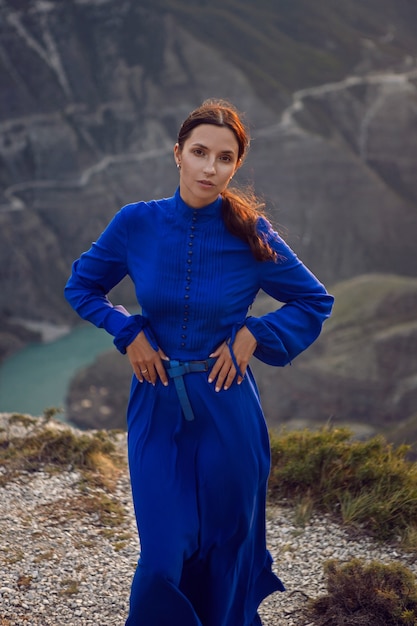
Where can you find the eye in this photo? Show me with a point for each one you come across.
(198, 152)
(227, 158)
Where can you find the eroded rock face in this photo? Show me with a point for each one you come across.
(92, 96)
(342, 178)
(14, 336)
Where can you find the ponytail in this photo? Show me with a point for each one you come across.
(241, 211)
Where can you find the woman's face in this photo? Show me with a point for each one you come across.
(208, 160)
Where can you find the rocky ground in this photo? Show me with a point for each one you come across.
(65, 564)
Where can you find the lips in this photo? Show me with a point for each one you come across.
(206, 183)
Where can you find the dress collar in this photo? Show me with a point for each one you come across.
(205, 213)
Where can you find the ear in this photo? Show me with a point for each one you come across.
(177, 154)
(238, 164)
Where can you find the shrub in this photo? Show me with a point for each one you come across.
(53, 447)
(362, 594)
(368, 484)
(56, 448)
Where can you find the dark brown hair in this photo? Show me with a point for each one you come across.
(241, 209)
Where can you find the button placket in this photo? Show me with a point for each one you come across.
(188, 280)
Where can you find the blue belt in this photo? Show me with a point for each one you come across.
(176, 371)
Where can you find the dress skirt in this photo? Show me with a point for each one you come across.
(199, 490)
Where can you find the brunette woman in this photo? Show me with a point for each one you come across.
(198, 444)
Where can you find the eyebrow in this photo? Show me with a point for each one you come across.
(201, 145)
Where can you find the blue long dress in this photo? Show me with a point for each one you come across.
(198, 486)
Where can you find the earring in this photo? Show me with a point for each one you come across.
(179, 166)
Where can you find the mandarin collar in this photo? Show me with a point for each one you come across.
(207, 212)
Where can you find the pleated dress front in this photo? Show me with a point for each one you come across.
(198, 485)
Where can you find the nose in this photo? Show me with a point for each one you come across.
(209, 166)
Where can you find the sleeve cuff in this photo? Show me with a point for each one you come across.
(270, 348)
(130, 330)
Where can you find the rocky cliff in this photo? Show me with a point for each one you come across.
(93, 92)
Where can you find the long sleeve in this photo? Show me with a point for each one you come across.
(94, 274)
(286, 332)
(189, 321)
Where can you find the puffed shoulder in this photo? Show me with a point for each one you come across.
(272, 238)
(285, 256)
(134, 209)
(135, 213)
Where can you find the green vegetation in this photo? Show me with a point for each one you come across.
(367, 594)
(367, 485)
(389, 291)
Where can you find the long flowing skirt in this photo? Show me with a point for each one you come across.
(199, 490)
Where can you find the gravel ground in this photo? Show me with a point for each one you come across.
(61, 566)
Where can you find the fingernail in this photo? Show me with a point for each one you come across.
(217, 389)
(165, 384)
(225, 387)
(210, 380)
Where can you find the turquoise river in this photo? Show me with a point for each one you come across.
(38, 376)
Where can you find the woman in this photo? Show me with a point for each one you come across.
(197, 441)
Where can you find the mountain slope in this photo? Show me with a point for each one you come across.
(93, 92)
(286, 45)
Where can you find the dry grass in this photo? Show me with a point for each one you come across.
(51, 446)
(371, 594)
(366, 484)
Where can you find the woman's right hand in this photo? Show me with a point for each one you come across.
(145, 361)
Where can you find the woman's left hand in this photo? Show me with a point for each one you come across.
(223, 371)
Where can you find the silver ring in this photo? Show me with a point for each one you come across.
(143, 371)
